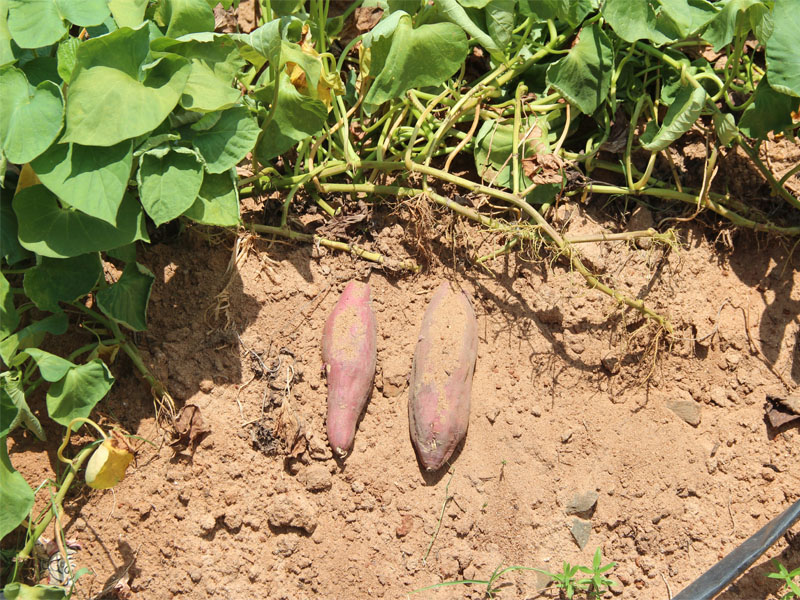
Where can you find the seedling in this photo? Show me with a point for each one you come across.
(788, 578)
(566, 581)
(597, 583)
(491, 589)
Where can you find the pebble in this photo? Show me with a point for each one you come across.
(688, 410)
(357, 487)
(406, 523)
(316, 478)
(206, 386)
(582, 503)
(292, 511)
(580, 531)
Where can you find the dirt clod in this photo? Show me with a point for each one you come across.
(316, 478)
(292, 511)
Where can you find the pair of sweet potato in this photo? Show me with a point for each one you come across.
(441, 376)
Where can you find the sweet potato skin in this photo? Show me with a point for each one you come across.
(441, 376)
(349, 342)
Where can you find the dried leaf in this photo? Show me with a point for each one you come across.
(190, 427)
(543, 168)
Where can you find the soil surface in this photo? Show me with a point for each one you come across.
(584, 423)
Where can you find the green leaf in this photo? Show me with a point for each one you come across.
(184, 16)
(227, 142)
(215, 63)
(67, 53)
(89, 178)
(725, 127)
(783, 58)
(115, 94)
(128, 13)
(571, 11)
(689, 16)
(584, 75)
(40, 69)
(56, 280)
(640, 20)
(401, 56)
(51, 367)
(30, 118)
(9, 317)
(722, 28)
(10, 248)
(217, 203)
(38, 23)
(14, 409)
(169, 180)
(126, 300)
(494, 145)
(680, 117)
(32, 335)
(6, 53)
(16, 497)
(769, 111)
(452, 11)
(49, 230)
(500, 20)
(35, 23)
(126, 253)
(84, 13)
(296, 118)
(20, 591)
(77, 393)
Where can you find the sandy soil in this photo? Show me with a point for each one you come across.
(569, 399)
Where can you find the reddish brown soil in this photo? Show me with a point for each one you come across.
(569, 397)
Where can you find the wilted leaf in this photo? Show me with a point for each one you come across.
(190, 427)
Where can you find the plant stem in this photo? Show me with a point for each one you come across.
(72, 470)
(406, 265)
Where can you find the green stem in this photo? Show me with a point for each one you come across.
(72, 470)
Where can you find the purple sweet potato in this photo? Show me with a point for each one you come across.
(441, 376)
(348, 352)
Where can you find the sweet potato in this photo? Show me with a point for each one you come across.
(349, 354)
(441, 376)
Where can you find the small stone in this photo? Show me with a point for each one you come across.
(316, 478)
(492, 415)
(582, 504)
(206, 386)
(357, 487)
(687, 410)
(293, 511)
(406, 523)
(195, 575)
(566, 437)
(610, 364)
(580, 531)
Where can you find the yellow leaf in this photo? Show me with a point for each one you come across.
(108, 464)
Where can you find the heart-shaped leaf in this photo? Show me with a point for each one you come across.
(30, 118)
